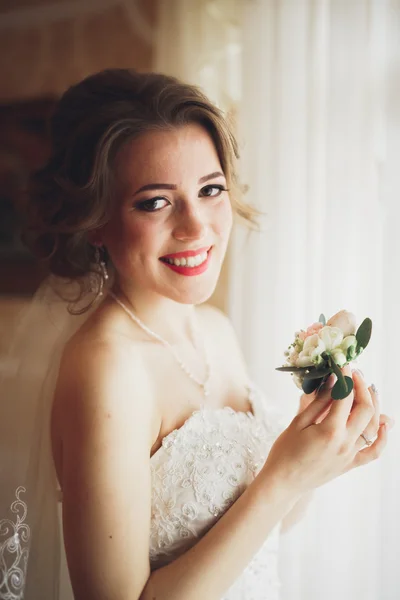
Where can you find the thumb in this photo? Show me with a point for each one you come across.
(313, 411)
(324, 392)
(320, 403)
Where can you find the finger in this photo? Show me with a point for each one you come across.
(340, 409)
(386, 419)
(363, 409)
(371, 429)
(373, 425)
(373, 452)
(324, 392)
(322, 416)
(313, 411)
(383, 420)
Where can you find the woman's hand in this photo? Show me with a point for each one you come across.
(324, 440)
(377, 420)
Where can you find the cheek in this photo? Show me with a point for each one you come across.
(127, 240)
(225, 218)
(131, 232)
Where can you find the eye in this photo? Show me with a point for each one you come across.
(213, 190)
(148, 205)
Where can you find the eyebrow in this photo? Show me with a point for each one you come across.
(171, 186)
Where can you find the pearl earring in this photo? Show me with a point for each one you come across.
(103, 269)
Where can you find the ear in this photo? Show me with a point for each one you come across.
(94, 238)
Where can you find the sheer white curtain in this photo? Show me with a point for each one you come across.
(200, 42)
(315, 85)
(319, 126)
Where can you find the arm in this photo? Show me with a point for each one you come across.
(233, 541)
(300, 508)
(105, 413)
(297, 513)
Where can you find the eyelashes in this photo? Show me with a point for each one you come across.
(221, 188)
(144, 206)
(148, 205)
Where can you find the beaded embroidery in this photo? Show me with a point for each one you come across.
(14, 551)
(199, 471)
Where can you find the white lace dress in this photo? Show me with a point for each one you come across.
(198, 473)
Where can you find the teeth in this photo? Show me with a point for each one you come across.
(191, 261)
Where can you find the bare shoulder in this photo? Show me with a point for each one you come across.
(105, 354)
(102, 375)
(102, 359)
(104, 415)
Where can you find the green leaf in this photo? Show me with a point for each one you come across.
(341, 379)
(351, 353)
(323, 381)
(310, 385)
(318, 373)
(322, 319)
(294, 369)
(342, 388)
(363, 334)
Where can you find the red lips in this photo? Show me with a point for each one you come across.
(187, 253)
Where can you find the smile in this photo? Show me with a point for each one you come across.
(190, 261)
(191, 265)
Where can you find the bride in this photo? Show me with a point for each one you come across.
(174, 471)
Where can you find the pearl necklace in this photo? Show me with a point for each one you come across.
(203, 384)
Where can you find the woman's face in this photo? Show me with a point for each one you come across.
(172, 199)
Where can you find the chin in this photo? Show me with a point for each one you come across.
(202, 294)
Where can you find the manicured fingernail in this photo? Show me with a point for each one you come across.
(374, 389)
(330, 382)
(359, 372)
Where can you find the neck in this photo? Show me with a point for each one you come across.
(172, 321)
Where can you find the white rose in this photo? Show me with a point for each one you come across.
(304, 360)
(293, 356)
(345, 321)
(338, 356)
(312, 349)
(331, 336)
(348, 341)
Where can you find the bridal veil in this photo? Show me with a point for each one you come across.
(29, 494)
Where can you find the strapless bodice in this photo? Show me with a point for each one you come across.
(198, 473)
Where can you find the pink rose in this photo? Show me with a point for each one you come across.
(345, 321)
(314, 328)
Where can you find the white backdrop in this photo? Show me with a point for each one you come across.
(315, 84)
(320, 129)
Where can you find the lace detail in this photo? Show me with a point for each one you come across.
(198, 473)
(13, 556)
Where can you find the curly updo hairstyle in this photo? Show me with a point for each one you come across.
(73, 194)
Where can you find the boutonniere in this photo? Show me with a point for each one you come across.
(324, 348)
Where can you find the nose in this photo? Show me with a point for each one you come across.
(191, 224)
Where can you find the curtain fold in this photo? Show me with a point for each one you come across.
(315, 88)
(319, 126)
(199, 42)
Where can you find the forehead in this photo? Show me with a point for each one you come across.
(167, 156)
